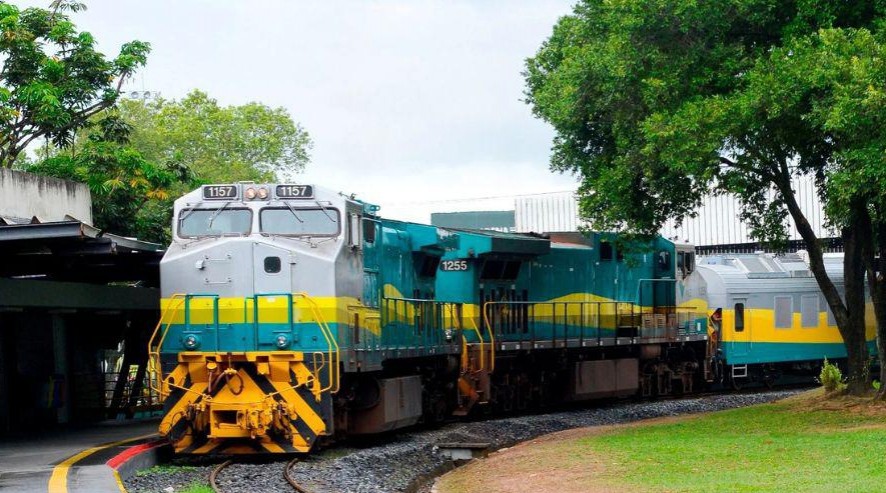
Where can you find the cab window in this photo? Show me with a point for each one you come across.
(195, 223)
(685, 262)
(300, 222)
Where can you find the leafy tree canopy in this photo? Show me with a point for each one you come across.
(219, 143)
(52, 79)
(131, 195)
(656, 102)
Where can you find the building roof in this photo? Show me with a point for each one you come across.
(71, 250)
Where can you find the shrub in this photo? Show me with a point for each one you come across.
(831, 377)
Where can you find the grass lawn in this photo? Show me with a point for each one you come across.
(806, 443)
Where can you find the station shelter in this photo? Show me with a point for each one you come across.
(77, 306)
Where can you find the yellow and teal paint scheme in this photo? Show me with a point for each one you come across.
(569, 286)
(769, 309)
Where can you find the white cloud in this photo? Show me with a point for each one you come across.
(407, 101)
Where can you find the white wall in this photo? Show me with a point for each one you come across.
(716, 223)
(25, 195)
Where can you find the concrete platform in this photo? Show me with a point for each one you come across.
(74, 460)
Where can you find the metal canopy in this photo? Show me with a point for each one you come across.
(74, 251)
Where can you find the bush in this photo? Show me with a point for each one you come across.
(831, 377)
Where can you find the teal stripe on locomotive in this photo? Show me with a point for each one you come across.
(241, 337)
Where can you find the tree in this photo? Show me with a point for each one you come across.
(854, 116)
(220, 144)
(131, 195)
(656, 103)
(52, 78)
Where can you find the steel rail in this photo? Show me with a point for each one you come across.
(214, 475)
(289, 479)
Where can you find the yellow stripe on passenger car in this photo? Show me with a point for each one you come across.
(760, 327)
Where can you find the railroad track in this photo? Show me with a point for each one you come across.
(360, 466)
(287, 475)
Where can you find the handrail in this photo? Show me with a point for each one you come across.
(331, 342)
(464, 351)
(491, 335)
(216, 314)
(154, 356)
(255, 313)
(482, 342)
(622, 312)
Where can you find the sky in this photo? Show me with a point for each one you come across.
(412, 105)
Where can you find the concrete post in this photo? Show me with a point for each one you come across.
(60, 365)
(4, 385)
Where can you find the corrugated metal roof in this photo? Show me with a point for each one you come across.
(716, 223)
(74, 251)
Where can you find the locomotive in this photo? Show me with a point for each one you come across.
(292, 315)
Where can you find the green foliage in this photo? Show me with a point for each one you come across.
(131, 195)
(657, 102)
(876, 385)
(830, 377)
(220, 144)
(198, 487)
(52, 78)
(164, 470)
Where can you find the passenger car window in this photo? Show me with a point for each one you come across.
(300, 222)
(825, 307)
(784, 312)
(214, 222)
(739, 317)
(809, 311)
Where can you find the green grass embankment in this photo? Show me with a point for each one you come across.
(806, 443)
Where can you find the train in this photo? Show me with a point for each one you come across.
(293, 316)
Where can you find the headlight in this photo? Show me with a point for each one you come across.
(191, 341)
(262, 193)
(282, 341)
(250, 193)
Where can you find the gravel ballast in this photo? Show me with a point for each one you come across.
(406, 461)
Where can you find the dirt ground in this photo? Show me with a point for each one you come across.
(516, 469)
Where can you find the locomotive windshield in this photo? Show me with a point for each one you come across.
(214, 222)
(300, 222)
